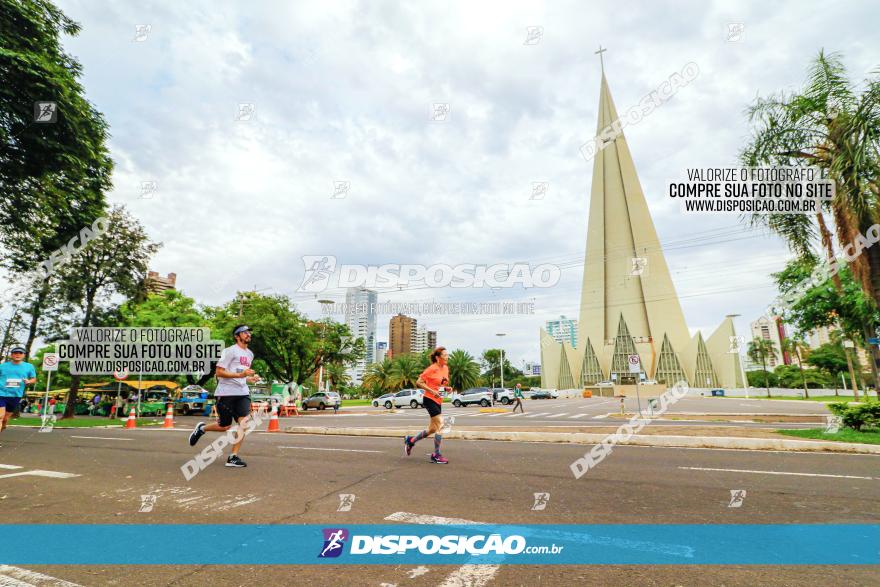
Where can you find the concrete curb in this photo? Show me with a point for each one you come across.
(591, 438)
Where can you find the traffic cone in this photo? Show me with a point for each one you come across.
(273, 420)
(131, 421)
(169, 417)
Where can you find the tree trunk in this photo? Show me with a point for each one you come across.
(797, 355)
(74, 379)
(852, 374)
(766, 375)
(36, 311)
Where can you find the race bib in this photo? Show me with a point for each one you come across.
(13, 383)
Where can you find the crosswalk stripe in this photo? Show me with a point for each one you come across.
(576, 416)
(538, 414)
(558, 415)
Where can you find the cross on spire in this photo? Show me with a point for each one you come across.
(601, 61)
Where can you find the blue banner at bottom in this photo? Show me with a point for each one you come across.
(382, 544)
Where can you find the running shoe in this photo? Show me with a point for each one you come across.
(439, 459)
(234, 461)
(197, 433)
(408, 445)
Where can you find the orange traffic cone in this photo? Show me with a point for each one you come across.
(273, 420)
(169, 417)
(131, 421)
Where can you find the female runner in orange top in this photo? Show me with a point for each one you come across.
(431, 381)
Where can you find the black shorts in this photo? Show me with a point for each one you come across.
(233, 407)
(432, 407)
(10, 403)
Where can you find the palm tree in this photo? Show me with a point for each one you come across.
(839, 337)
(760, 349)
(830, 127)
(464, 371)
(405, 371)
(796, 346)
(337, 375)
(378, 376)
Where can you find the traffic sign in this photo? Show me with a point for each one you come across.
(874, 341)
(50, 362)
(120, 375)
(635, 364)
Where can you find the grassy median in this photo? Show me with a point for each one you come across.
(843, 435)
(83, 422)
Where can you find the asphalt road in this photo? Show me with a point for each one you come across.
(297, 479)
(577, 412)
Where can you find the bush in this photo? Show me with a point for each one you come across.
(866, 415)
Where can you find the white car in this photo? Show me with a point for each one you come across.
(475, 395)
(503, 395)
(413, 398)
(383, 400)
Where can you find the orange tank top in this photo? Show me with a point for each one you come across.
(434, 377)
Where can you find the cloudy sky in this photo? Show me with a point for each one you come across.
(344, 91)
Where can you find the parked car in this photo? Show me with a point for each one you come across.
(502, 394)
(542, 394)
(413, 398)
(322, 400)
(383, 400)
(475, 395)
(190, 400)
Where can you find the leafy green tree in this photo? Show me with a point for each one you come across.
(464, 371)
(53, 175)
(169, 308)
(405, 371)
(490, 362)
(762, 377)
(831, 126)
(337, 375)
(759, 351)
(113, 264)
(292, 347)
(831, 359)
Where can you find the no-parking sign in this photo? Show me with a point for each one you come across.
(50, 362)
(635, 364)
(120, 375)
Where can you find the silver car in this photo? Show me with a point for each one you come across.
(322, 400)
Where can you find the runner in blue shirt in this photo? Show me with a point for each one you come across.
(14, 375)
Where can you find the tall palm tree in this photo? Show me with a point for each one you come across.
(337, 375)
(761, 349)
(378, 376)
(464, 371)
(795, 347)
(829, 126)
(405, 371)
(839, 337)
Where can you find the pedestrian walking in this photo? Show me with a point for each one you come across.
(517, 398)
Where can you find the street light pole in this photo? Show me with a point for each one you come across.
(324, 305)
(501, 367)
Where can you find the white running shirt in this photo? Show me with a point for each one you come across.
(235, 360)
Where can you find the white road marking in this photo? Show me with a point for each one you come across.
(498, 414)
(600, 417)
(779, 473)
(471, 576)
(103, 437)
(425, 519)
(40, 473)
(576, 416)
(558, 415)
(334, 449)
(538, 414)
(10, 575)
(465, 575)
(10, 467)
(519, 414)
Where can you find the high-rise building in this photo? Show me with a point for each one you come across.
(432, 339)
(360, 317)
(401, 332)
(563, 330)
(155, 283)
(771, 329)
(630, 314)
(381, 351)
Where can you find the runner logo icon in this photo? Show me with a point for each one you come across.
(334, 541)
